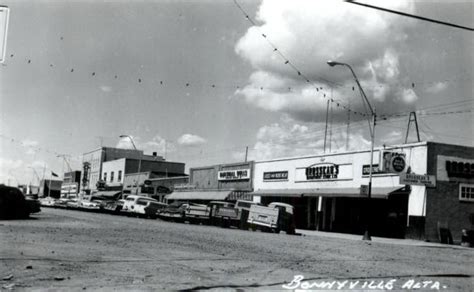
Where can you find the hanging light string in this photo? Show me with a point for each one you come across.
(300, 74)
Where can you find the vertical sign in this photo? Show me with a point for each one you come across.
(4, 14)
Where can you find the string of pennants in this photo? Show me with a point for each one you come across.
(319, 89)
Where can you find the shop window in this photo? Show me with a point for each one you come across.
(119, 176)
(466, 192)
(111, 176)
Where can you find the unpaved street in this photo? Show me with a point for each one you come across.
(64, 250)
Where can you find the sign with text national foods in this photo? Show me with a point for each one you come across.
(236, 174)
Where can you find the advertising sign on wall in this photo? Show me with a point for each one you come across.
(322, 171)
(275, 175)
(238, 174)
(393, 162)
(417, 179)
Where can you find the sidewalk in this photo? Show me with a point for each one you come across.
(408, 242)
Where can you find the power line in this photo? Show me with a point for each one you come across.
(411, 15)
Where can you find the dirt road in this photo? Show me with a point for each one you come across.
(64, 250)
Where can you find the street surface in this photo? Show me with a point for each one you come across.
(73, 250)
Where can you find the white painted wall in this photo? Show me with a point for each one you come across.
(351, 164)
(115, 166)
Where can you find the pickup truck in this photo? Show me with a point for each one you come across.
(228, 214)
(272, 218)
(223, 213)
(197, 213)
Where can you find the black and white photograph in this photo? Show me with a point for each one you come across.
(236, 145)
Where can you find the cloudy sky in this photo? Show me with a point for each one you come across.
(198, 82)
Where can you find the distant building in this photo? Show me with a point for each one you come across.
(229, 182)
(50, 188)
(132, 173)
(71, 184)
(92, 163)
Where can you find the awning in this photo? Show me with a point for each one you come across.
(204, 195)
(377, 192)
(107, 194)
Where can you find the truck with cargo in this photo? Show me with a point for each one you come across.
(197, 213)
(227, 214)
(275, 217)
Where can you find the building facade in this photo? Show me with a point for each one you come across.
(71, 184)
(330, 192)
(132, 173)
(92, 163)
(50, 188)
(221, 182)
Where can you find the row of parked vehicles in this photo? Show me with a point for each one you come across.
(241, 214)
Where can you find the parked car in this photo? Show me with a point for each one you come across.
(88, 204)
(33, 203)
(142, 206)
(48, 202)
(12, 203)
(174, 212)
(112, 206)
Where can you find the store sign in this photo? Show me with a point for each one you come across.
(322, 171)
(459, 169)
(393, 162)
(275, 175)
(375, 169)
(239, 174)
(240, 195)
(417, 179)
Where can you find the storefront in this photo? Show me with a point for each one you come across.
(422, 190)
(224, 182)
(330, 192)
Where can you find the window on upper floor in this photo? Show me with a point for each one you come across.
(111, 176)
(119, 176)
(466, 192)
(105, 176)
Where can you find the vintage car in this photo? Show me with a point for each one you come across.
(12, 203)
(88, 203)
(142, 206)
(33, 203)
(174, 212)
(48, 202)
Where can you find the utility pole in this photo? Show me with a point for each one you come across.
(246, 152)
(326, 129)
(410, 120)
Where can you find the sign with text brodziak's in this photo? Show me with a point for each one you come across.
(275, 175)
(322, 171)
(237, 174)
(417, 179)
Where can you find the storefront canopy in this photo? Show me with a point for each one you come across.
(107, 194)
(204, 195)
(377, 192)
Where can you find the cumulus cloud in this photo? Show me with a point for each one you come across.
(105, 88)
(126, 143)
(437, 87)
(29, 143)
(191, 140)
(309, 33)
(156, 144)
